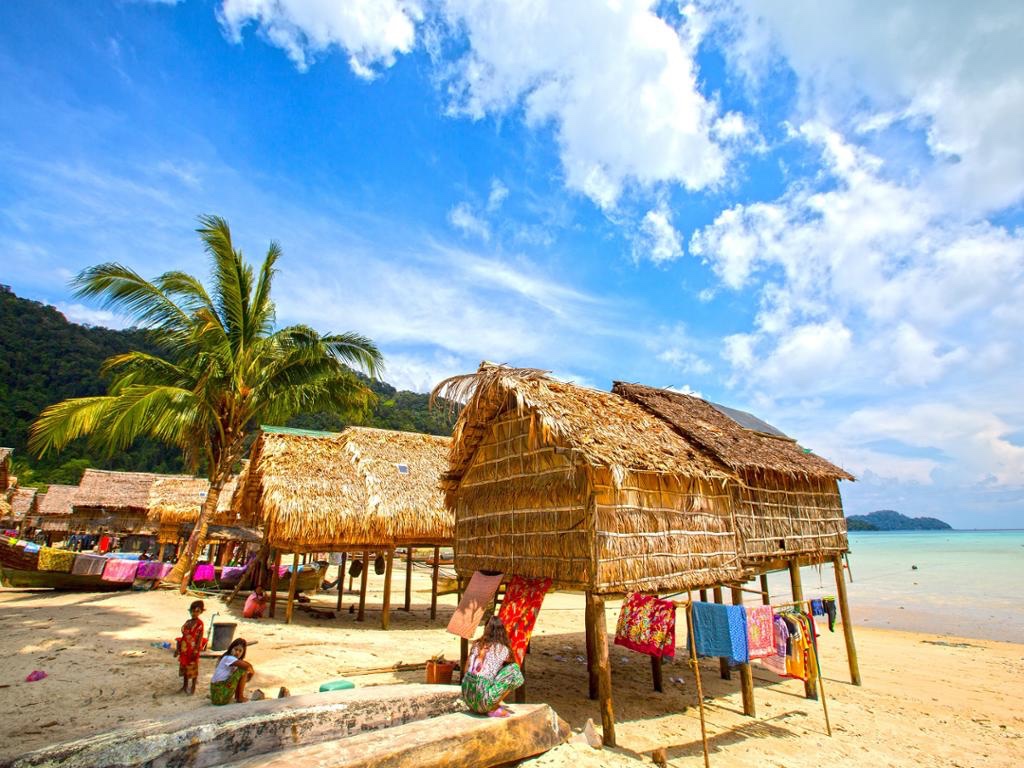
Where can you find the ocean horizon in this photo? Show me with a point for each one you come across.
(959, 582)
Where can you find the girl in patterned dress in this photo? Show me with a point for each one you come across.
(189, 646)
(491, 673)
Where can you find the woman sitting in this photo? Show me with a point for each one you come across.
(231, 675)
(491, 673)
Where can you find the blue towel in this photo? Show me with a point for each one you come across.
(818, 607)
(31, 547)
(721, 630)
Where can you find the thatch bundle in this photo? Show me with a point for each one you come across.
(550, 479)
(358, 488)
(786, 499)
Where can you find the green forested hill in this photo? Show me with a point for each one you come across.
(44, 359)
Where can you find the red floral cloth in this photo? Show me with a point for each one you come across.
(647, 624)
(519, 610)
(760, 632)
(190, 645)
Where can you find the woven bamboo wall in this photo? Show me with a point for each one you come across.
(658, 532)
(522, 508)
(781, 516)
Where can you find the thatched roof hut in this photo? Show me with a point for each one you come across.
(54, 508)
(23, 502)
(551, 479)
(361, 488)
(785, 498)
(116, 501)
(5, 481)
(176, 501)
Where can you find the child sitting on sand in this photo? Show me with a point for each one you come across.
(491, 674)
(189, 646)
(231, 675)
(255, 604)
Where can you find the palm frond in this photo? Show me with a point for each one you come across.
(68, 420)
(125, 291)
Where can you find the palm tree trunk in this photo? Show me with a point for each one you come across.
(182, 570)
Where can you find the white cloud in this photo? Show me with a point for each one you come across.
(371, 32)
(83, 315)
(659, 241)
(617, 83)
(497, 195)
(420, 373)
(956, 72)
(463, 219)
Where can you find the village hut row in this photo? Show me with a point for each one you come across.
(637, 489)
(365, 490)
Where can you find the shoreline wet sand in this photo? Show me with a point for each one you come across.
(927, 699)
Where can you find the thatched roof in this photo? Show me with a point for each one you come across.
(5, 454)
(359, 487)
(57, 501)
(23, 501)
(116, 492)
(604, 429)
(715, 429)
(178, 499)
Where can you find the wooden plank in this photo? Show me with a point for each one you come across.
(293, 582)
(844, 612)
(798, 596)
(408, 579)
(723, 663)
(361, 615)
(604, 669)
(433, 583)
(746, 674)
(385, 612)
(450, 741)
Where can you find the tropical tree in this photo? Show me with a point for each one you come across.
(224, 369)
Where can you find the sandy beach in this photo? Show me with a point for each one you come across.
(926, 700)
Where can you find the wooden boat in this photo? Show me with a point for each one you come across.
(16, 570)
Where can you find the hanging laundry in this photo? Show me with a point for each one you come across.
(817, 607)
(760, 632)
(120, 570)
(830, 610)
(88, 565)
(59, 560)
(720, 630)
(152, 569)
(776, 661)
(519, 609)
(647, 624)
(478, 595)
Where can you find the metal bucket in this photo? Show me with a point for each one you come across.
(223, 634)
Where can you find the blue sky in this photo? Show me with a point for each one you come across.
(811, 211)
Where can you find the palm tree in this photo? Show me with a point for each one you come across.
(223, 369)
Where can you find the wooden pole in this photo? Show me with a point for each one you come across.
(604, 670)
(274, 577)
(723, 663)
(656, 674)
(591, 653)
(765, 597)
(746, 674)
(700, 685)
(408, 579)
(385, 612)
(361, 615)
(703, 595)
(341, 579)
(821, 683)
(798, 597)
(293, 583)
(844, 612)
(433, 588)
(520, 694)
(160, 554)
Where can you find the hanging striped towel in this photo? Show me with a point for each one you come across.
(120, 570)
(152, 569)
(88, 565)
(60, 560)
(204, 572)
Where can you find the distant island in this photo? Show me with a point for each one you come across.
(891, 520)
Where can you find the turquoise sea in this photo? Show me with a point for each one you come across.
(966, 582)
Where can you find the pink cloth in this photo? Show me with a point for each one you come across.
(478, 595)
(760, 632)
(204, 572)
(229, 572)
(152, 569)
(120, 570)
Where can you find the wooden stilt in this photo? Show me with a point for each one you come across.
(408, 579)
(765, 597)
(746, 674)
(844, 612)
(341, 579)
(293, 583)
(703, 595)
(361, 615)
(591, 653)
(798, 597)
(274, 578)
(723, 663)
(821, 684)
(433, 583)
(700, 685)
(604, 670)
(385, 611)
(656, 673)
(160, 554)
(520, 694)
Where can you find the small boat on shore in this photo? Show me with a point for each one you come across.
(19, 568)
